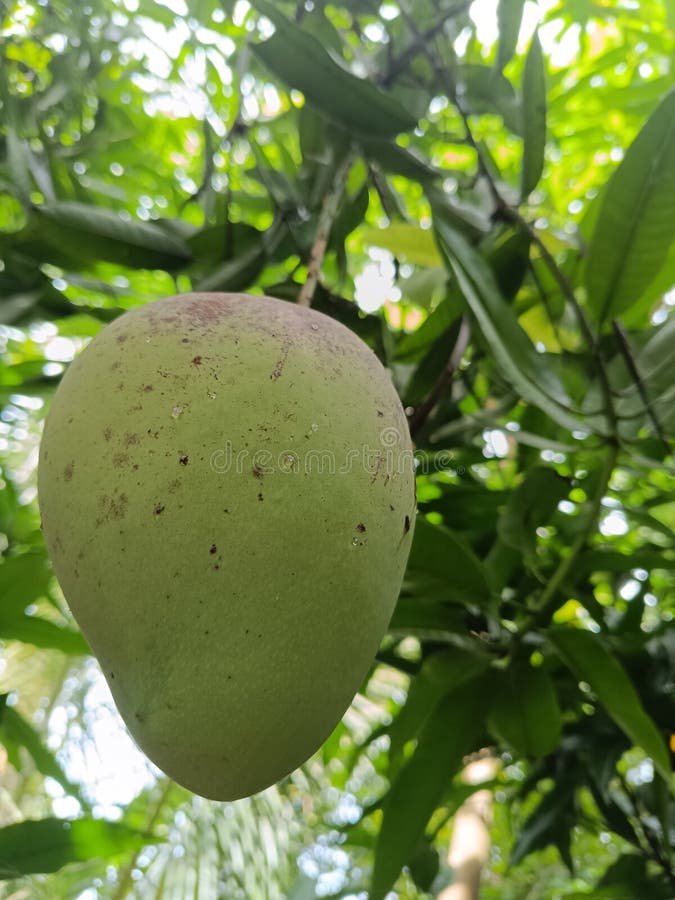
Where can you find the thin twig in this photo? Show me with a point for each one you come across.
(631, 365)
(444, 380)
(400, 63)
(375, 178)
(329, 211)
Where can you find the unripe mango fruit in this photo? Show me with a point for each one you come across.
(227, 495)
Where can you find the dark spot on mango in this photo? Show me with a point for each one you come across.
(184, 460)
(361, 528)
(159, 508)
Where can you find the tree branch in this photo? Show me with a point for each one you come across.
(400, 63)
(631, 365)
(329, 211)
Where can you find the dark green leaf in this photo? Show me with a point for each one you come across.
(509, 17)
(445, 739)
(512, 348)
(525, 711)
(16, 730)
(534, 119)
(587, 656)
(90, 233)
(400, 160)
(438, 552)
(438, 322)
(529, 506)
(489, 91)
(440, 674)
(48, 844)
(550, 823)
(636, 222)
(302, 62)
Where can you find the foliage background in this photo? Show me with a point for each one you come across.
(501, 224)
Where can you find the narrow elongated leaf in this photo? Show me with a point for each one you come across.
(16, 730)
(91, 233)
(513, 350)
(43, 633)
(590, 660)
(16, 162)
(636, 222)
(46, 845)
(445, 739)
(550, 823)
(400, 160)
(438, 552)
(440, 674)
(534, 119)
(301, 61)
(509, 17)
(525, 711)
(236, 274)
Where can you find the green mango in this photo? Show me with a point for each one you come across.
(226, 485)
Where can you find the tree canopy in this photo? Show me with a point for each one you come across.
(485, 193)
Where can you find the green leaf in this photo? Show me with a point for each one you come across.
(46, 845)
(513, 350)
(90, 233)
(23, 580)
(43, 633)
(529, 506)
(509, 17)
(408, 242)
(16, 163)
(445, 739)
(438, 552)
(525, 711)
(302, 62)
(636, 222)
(590, 660)
(489, 91)
(440, 674)
(400, 160)
(428, 370)
(16, 730)
(550, 823)
(534, 119)
(438, 322)
(235, 274)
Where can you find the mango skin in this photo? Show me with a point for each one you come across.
(234, 610)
